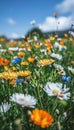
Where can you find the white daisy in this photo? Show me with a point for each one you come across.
(60, 69)
(55, 89)
(4, 107)
(13, 48)
(35, 38)
(57, 45)
(22, 49)
(43, 51)
(24, 100)
(71, 33)
(58, 56)
(3, 50)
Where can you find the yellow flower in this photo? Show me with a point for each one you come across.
(24, 73)
(52, 38)
(13, 68)
(41, 118)
(45, 62)
(6, 68)
(13, 75)
(37, 46)
(8, 75)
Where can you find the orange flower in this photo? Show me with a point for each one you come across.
(66, 35)
(21, 54)
(48, 44)
(24, 63)
(61, 42)
(22, 45)
(41, 118)
(2, 39)
(4, 61)
(31, 59)
(12, 82)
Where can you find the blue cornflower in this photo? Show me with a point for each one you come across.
(66, 79)
(16, 60)
(19, 80)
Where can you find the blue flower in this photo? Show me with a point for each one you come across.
(68, 79)
(19, 80)
(64, 78)
(16, 60)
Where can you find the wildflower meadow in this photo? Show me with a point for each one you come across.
(37, 83)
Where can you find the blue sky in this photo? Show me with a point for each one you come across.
(16, 15)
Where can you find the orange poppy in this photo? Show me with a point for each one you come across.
(41, 118)
(4, 61)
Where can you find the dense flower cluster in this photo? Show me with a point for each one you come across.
(36, 82)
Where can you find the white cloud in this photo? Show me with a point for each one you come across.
(11, 21)
(14, 35)
(66, 6)
(50, 23)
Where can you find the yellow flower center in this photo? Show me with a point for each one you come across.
(56, 92)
